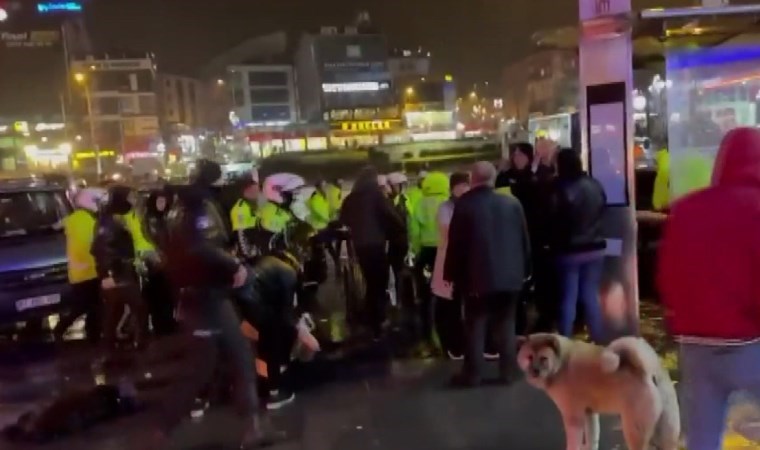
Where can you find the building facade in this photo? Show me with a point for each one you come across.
(545, 82)
(263, 94)
(344, 81)
(123, 108)
(179, 101)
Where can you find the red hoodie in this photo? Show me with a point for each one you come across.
(709, 260)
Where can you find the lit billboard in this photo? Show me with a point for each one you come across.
(59, 7)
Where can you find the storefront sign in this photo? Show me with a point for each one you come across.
(30, 39)
(56, 7)
(368, 125)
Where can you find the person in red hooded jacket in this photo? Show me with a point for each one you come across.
(709, 280)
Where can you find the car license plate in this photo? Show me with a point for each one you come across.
(37, 302)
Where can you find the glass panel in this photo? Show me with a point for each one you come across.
(709, 92)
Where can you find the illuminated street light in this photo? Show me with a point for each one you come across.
(81, 79)
(473, 95)
(220, 82)
(410, 91)
(3, 15)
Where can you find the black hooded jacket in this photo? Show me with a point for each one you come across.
(198, 241)
(369, 214)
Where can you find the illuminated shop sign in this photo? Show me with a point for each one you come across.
(42, 38)
(367, 125)
(361, 86)
(54, 7)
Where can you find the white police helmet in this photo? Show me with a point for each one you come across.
(91, 199)
(397, 178)
(275, 185)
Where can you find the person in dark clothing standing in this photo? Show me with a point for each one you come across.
(201, 266)
(578, 244)
(114, 255)
(373, 222)
(488, 261)
(531, 182)
(157, 289)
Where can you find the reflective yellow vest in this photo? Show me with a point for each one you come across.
(79, 228)
(661, 192)
(243, 216)
(504, 190)
(133, 222)
(334, 200)
(319, 211)
(273, 218)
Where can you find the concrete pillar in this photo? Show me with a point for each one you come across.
(606, 111)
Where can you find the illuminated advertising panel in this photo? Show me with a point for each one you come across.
(59, 7)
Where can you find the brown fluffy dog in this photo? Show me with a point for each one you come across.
(624, 378)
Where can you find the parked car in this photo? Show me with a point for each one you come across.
(33, 265)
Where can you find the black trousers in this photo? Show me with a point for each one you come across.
(210, 334)
(449, 324)
(114, 301)
(499, 309)
(425, 262)
(274, 347)
(159, 297)
(86, 302)
(546, 293)
(373, 261)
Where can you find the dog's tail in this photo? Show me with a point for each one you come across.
(635, 353)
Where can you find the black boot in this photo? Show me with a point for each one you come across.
(261, 433)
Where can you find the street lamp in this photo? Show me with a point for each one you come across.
(410, 91)
(81, 79)
(3, 15)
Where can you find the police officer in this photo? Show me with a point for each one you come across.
(424, 245)
(244, 218)
(319, 207)
(276, 214)
(199, 264)
(334, 194)
(147, 259)
(114, 253)
(79, 228)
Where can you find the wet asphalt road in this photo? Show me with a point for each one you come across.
(373, 401)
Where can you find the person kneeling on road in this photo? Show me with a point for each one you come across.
(266, 302)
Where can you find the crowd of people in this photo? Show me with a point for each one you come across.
(467, 252)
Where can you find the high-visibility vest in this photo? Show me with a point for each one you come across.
(79, 227)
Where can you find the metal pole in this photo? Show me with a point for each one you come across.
(88, 98)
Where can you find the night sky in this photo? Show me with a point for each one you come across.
(471, 39)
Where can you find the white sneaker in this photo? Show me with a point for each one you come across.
(454, 356)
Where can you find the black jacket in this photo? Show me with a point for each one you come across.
(113, 250)
(577, 211)
(489, 248)
(267, 298)
(370, 215)
(197, 252)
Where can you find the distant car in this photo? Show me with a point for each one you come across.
(33, 264)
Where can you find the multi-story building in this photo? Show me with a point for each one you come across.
(545, 82)
(408, 66)
(123, 106)
(179, 101)
(344, 81)
(263, 94)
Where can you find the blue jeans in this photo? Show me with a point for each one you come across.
(710, 375)
(580, 277)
